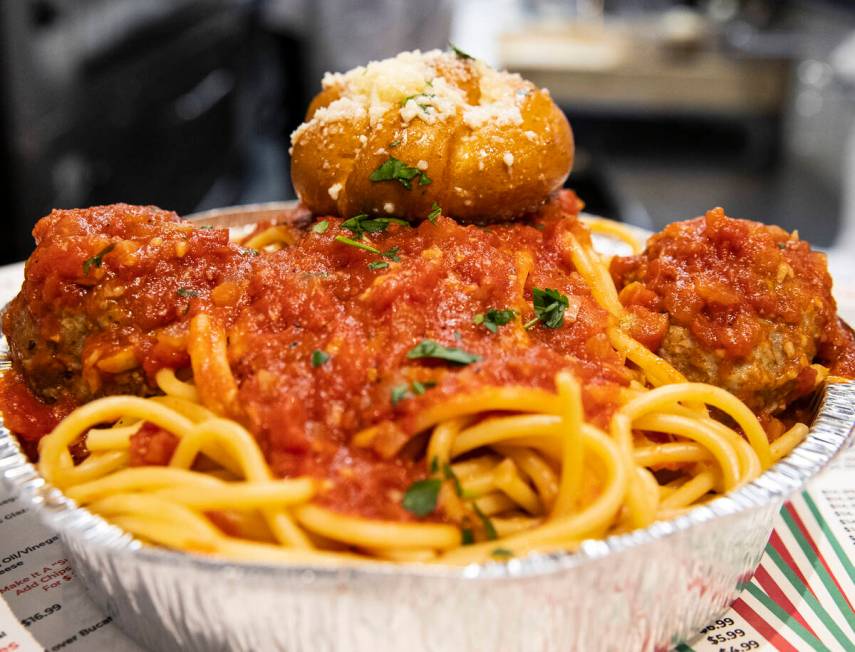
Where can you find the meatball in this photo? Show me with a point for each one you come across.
(47, 360)
(107, 296)
(749, 306)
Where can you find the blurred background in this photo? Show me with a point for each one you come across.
(676, 106)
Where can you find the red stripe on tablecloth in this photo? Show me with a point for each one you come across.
(766, 630)
(781, 549)
(770, 586)
(800, 524)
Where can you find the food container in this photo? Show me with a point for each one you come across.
(645, 590)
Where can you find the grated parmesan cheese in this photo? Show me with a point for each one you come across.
(508, 158)
(342, 109)
(422, 165)
(476, 117)
(500, 99)
(334, 191)
(381, 85)
(411, 110)
(389, 207)
(414, 79)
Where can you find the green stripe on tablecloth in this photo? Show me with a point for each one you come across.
(818, 566)
(835, 543)
(784, 617)
(808, 597)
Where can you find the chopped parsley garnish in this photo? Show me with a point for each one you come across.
(392, 254)
(449, 474)
(187, 293)
(394, 143)
(421, 497)
(319, 358)
(361, 224)
(395, 170)
(413, 97)
(467, 538)
(489, 528)
(421, 388)
(502, 552)
(97, 259)
(782, 245)
(434, 464)
(321, 227)
(460, 53)
(358, 245)
(398, 394)
(248, 252)
(207, 227)
(378, 264)
(549, 307)
(435, 350)
(435, 212)
(493, 318)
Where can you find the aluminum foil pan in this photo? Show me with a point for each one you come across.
(645, 590)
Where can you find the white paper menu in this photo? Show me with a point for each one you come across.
(44, 606)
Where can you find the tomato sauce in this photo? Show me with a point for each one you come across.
(25, 414)
(152, 445)
(321, 334)
(318, 333)
(729, 281)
